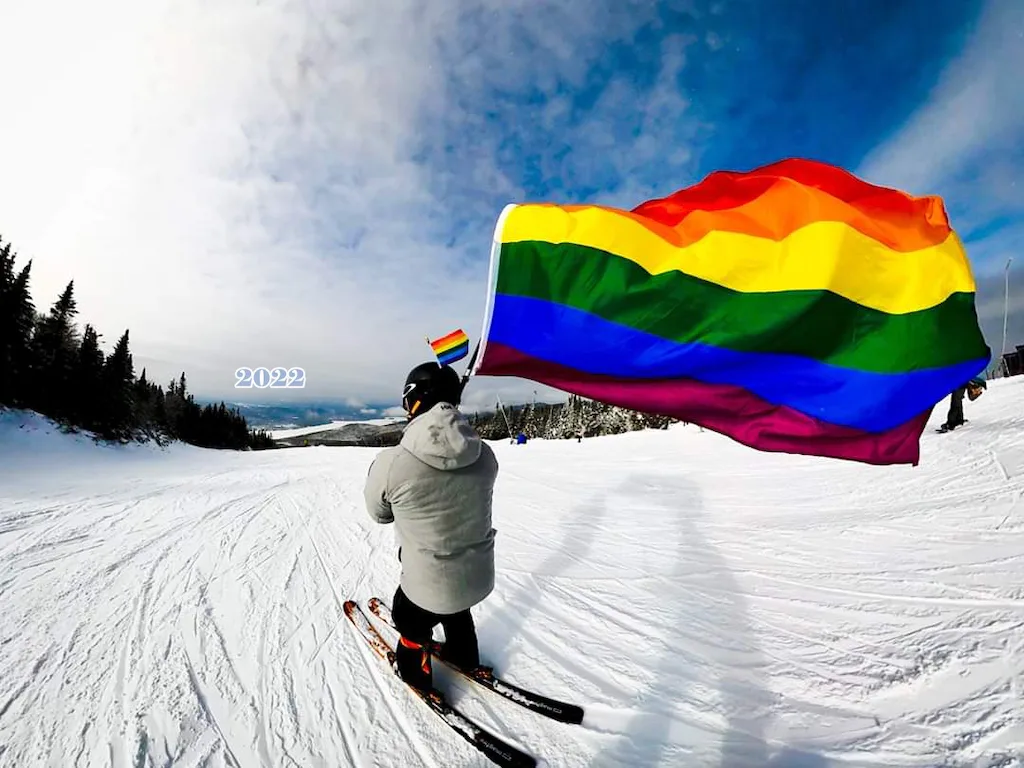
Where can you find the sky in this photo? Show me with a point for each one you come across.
(315, 183)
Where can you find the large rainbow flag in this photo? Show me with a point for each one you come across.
(794, 308)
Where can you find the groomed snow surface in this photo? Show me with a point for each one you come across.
(709, 605)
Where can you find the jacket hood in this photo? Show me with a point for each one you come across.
(442, 438)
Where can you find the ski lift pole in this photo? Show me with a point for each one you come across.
(508, 426)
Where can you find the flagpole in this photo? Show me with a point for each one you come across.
(469, 365)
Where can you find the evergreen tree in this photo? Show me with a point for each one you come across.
(55, 347)
(118, 393)
(88, 376)
(565, 420)
(23, 311)
(174, 407)
(149, 417)
(45, 365)
(260, 440)
(7, 337)
(17, 317)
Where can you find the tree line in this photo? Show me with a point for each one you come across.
(49, 365)
(578, 417)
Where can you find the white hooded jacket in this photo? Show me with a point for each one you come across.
(436, 486)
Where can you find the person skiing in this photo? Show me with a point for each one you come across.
(436, 486)
(955, 417)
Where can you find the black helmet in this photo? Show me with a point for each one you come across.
(429, 384)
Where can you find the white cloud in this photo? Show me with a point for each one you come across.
(976, 106)
(235, 182)
(964, 144)
(243, 184)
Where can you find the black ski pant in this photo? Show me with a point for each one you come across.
(416, 627)
(955, 417)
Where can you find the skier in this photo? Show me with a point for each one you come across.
(955, 417)
(436, 486)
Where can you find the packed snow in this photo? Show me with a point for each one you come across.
(707, 604)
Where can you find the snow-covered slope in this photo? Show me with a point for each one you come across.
(279, 434)
(707, 604)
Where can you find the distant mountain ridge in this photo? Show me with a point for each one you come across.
(577, 418)
(357, 434)
(285, 416)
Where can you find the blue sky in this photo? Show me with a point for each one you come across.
(707, 86)
(317, 183)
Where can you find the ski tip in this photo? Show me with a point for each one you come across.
(570, 714)
(373, 603)
(350, 607)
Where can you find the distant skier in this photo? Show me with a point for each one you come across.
(436, 486)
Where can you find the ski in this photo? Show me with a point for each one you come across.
(535, 702)
(495, 749)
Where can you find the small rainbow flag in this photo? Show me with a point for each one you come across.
(450, 348)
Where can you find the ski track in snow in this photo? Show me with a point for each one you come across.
(708, 605)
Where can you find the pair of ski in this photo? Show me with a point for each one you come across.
(496, 749)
